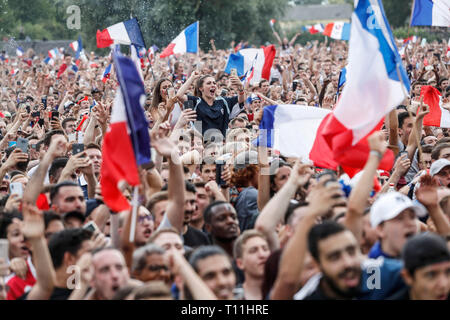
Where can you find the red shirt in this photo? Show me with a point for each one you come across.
(18, 286)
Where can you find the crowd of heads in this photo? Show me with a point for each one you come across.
(218, 217)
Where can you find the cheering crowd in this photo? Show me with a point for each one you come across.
(218, 217)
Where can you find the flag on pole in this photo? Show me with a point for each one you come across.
(438, 116)
(282, 125)
(338, 30)
(152, 54)
(54, 53)
(19, 51)
(49, 61)
(376, 83)
(127, 33)
(272, 24)
(314, 29)
(342, 79)
(137, 61)
(431, 13)
(411, 38)
(186, 41)
(106, 74)
(245, 59)
(127, 143)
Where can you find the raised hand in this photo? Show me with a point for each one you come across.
(14, 158)
(377, 142)
(33, 222)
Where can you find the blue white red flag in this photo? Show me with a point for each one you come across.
(127, 33)
(431, 13)
(106, 74)
(186, 41)
(376, 83)
(127, 142)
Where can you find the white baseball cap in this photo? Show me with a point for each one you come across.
(438, 165)
(390, 205)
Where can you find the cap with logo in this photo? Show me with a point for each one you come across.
(390, 205)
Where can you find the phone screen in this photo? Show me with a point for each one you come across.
(4, 249)
(16, 188)
(22, 144)
(189, 105)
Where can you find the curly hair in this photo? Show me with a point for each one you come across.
(241, 178)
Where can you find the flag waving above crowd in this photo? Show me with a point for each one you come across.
(126, 33)
(376, 82)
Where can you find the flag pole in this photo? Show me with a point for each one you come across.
(135, 205)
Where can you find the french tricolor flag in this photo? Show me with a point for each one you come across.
(411, 38)
(244, 60)
(54, 53)
(282, 125)
(19, 52)
(186, 41)
(74, 45)
(127, 143)
(127, 33)
(106, 74)
(438, 116)
(14, 72)
(49, 61)
(272, 23)
(317, 28)
(338, 30)
(431, 13)
(376, 82)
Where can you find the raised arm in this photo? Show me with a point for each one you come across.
(321, 199)
(33, 230)
(274, 211)
(416, 133)
(181, 94)
(278, 38)
(427, 195)
(392, 126)
(360, 194)
(179, 266)
(34, 187)
(166, 148)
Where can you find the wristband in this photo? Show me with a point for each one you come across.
(376, 153)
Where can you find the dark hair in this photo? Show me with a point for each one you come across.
(402, 107)
(49, 135)
(293, 205)
(427, 148)
(93, 145)
(207, 213)
(199, 84)
(402, 117)
(204, 252)
(436, 152)
(50, 216)
(320, 232)
(423, 250)
(157, 98)
(270, 272)
(54, 191)
(64, 241)
(5, 221)
(57, 164)
(63, 124)
(261, 82)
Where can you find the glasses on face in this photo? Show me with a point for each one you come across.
(157, 268)
(147, 217)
